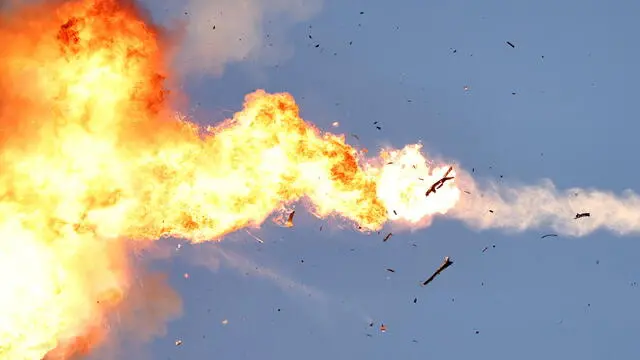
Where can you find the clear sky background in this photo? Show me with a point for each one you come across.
(562, 105)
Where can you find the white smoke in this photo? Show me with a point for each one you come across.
(523, 207)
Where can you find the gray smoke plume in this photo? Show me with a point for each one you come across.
(217, 33)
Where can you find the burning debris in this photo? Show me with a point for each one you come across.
(445, 264)
(290, 219)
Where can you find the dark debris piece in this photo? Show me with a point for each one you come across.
(445, 264)
(581, 215)
(510, 44)
(548, 235)
(440, 183)
(387, 237)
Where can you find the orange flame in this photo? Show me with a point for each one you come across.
(91, 154)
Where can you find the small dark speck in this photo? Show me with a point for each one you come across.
(361, 12)
(477, 331)
(214, 27)
(278, 310)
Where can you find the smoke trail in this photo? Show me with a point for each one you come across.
(523, 207)
(217, 33)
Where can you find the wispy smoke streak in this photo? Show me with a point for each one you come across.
(524, 207)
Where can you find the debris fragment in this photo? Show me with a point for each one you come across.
(485, 249)
(186, 275)
(510, 44)
(445, 264)
(225, 322)
(415, 300)
(390, 270)
(383, 328)
(548, 235)
(440, 183)
(178, 342)
(335, 124)
(581, 215)
(290, 219)
(387, 237)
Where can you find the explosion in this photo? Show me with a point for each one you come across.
(94, 157)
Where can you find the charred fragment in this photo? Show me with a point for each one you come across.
(387, 237)
(581, 215)
(445, 264)
(548, 235)
(440, 183)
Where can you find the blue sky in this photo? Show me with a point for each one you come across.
(571, 120)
